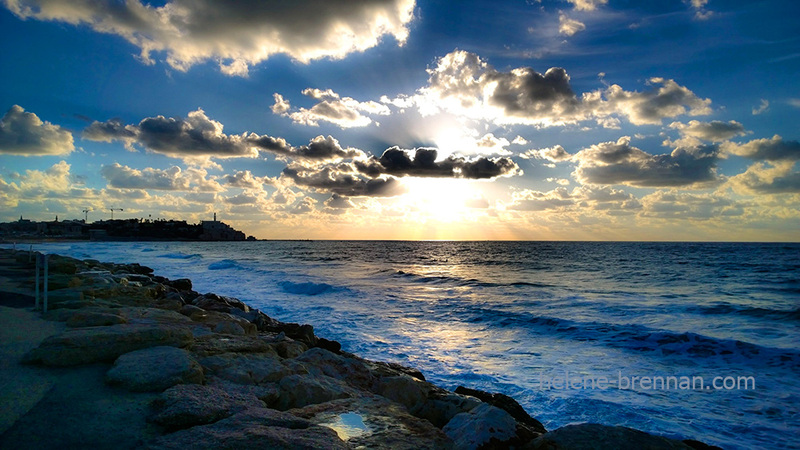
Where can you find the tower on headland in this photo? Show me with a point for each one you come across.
(215, 217)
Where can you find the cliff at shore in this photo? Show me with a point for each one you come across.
(124, 358)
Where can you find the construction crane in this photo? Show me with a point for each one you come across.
(112, 211)
(86, 215)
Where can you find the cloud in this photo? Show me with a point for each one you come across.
(552, 154)
(587, 5)
(760, 178)
(597, 198)
(343, 112)
(236, 35)
(172, 179)
(338, 202)
(715, 131)
(569, 27)
(244, 179)
(343, 179)
(680, 205)
(194, 136)
(668, 99)
(320, 148)
(23, 133)
(465, 85)
(761, 108)
(197, 136)
(774, 149)
(611, 163)
(422, 162)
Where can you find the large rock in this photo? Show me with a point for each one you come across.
(484, 425)
(405, 390)
(188, 405)
(95, 317)
(595, 436)
(350, 370)
(297, 391)
(441, 406)
(154, 369)
(105, 344)
(376, 423)
(222, 322)
(253, 428)
(506, 403)
(214, 344)
(248, 369)
(214, 302)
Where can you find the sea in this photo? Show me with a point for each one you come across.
(685, 340)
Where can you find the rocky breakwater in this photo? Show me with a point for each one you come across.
(219, 374)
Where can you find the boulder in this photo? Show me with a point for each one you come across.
(375, 422)
(188, 405)
(232, 328)
(297, 391)
(350, 370)
(94, 317)
(214, 302)
(181, 284)
(214, 344)
(484, 425)
(154, 369)
(592, 435)
(507, 404)
(405, 390)
(105, 344)
(253, 428)
(441, 406)
(289, 348)
(251, 369)
(223, 321)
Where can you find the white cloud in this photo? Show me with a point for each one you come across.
(237, 35)
(552, 154)
(569, 27)
(587, 5)
(761, 108)
(171, 179)
(23, 133)
(774, 149)
(344, 112)
(715, 131)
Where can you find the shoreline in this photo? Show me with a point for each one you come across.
(204, 369)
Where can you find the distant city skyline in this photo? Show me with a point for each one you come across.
(402, 119)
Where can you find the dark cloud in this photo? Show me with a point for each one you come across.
(667, 99)
(677, 205)
(715, 131)
(774, 149)
(611, 163)
(422, 163)
(199, 136)
(338, 202)
(236, 34)
(344, 180)
(23, 133)
(194, 136)
(526, 93)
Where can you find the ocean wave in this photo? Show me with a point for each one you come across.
(640, 338)
(180, 255)
(307, 288)
(444, 279)
(727, 308)
(224, 264)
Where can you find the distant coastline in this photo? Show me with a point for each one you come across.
(120, 230)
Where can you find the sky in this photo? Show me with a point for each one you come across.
(402, 119)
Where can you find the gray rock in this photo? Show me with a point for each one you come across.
(350, 370)
(596, 436)
(253, 428)
(289, 348)
(91, 317)
(297, 391)
(105, 344)
(249, 369)
(481, 426)
(213, 319)
(405, 390)
(154, 369)
(231, 328)
(441, 406)
(187, 405)
(214, 344)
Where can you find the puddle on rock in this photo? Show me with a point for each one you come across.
(348, 426)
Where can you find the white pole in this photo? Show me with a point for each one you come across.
(44, 305)
(36, 304)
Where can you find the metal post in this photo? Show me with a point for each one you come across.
(36, 305)
(44, 304)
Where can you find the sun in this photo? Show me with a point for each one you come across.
(441, 200)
